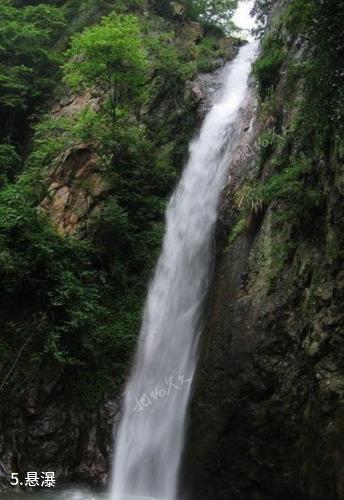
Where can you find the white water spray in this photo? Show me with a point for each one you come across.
(150, 436)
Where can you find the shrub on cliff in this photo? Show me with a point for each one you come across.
(266, 68)
(109, 56)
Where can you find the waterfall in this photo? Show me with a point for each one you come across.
(150, 436)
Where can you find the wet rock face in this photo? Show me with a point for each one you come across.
(46, 433)
(267, 414)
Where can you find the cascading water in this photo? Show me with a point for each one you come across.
(150, 437)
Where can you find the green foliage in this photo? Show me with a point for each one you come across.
(280, 252)
(109, 56)
(288, 186)
(169, 66)
(77, 303)
(54, 290)
(299, 16)
(238, 228)
(9, 163)
(124, 228)
(266, 68)
(295, 195)
(63, 291)
(110, 352)
(28, 62)
(298, 71)
(212, 12)
(208, 54)
(320, 23)
(325, 82)
(52, 136)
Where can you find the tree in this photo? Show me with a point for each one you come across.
(28, 62)
(214, 12)
(109, 56)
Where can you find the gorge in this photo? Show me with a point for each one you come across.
(239, 370)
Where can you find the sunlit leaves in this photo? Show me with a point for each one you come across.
(109, 56)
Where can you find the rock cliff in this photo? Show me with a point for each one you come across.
(267, 412)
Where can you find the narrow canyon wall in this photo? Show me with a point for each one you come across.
(267, 413)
